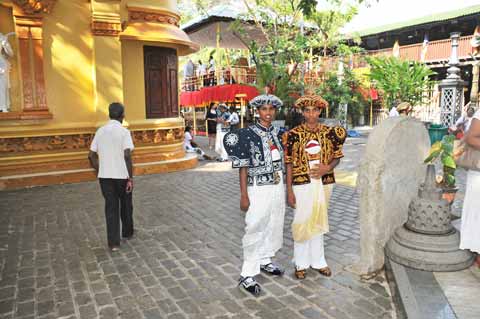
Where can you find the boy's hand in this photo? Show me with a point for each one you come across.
(291, 200)
(244, 203)
(318, 170)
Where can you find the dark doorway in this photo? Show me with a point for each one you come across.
(161, 86)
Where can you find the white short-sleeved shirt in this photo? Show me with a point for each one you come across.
(187, 145)
(202, 69)
(233, 119)
(110, 142)
(393, 112)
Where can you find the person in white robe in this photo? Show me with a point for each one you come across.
(222, 129)
(470, 227)
(6, 52)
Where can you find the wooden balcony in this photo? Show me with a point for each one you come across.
(437, 51)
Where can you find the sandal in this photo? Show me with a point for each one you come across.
(272, 269)
(300, 273)
(250, 285)
(325, 271)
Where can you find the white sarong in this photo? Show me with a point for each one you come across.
(470, 229)
(263, 226)
(310, 222)
(219, 147)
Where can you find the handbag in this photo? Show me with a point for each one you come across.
(466, 156)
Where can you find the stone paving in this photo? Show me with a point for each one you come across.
(183, 262)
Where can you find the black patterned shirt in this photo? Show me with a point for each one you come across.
(260, 150)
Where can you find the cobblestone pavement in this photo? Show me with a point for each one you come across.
(183, 262)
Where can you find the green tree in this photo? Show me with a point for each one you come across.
(329, 23)
(400, 79)
(336, 93)
(290, 32)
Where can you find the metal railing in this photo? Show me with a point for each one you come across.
(231, 75)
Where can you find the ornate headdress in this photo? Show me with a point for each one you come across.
(263, 99)
(311, 100)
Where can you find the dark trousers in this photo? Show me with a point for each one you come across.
(118, 206)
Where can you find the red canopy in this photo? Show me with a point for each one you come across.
(218, 93)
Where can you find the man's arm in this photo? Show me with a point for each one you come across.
(244, 200)
(93, 159)
(291, 200)
(127, 154)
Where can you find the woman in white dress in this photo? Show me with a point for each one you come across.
(470, 231)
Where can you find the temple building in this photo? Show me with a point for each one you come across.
(64, 61)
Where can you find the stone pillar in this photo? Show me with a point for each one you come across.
(389, 175)
(451, 98)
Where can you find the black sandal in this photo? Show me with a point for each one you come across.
(272, 269)
(250, 285)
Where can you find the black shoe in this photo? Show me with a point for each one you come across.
(250, 285)
(272, 269)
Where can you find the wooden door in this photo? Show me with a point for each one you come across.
(161, 86)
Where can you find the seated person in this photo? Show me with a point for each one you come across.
(190, 146)
(462, 125)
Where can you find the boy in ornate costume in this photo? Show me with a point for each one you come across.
(312, 151)
(257, 151)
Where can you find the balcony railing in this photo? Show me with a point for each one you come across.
(231, 75)
(436, 51)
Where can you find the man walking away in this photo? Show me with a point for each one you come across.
(110, 156)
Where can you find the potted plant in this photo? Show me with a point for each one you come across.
(443, 151)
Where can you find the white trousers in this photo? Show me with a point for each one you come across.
(470, 229)
(309, 253)
(197, 150)
(219, 147)
(263, 226)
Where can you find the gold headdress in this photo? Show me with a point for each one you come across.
(311, 100)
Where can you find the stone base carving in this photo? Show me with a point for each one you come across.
(428, 252)
(429, 217)
(427, 241)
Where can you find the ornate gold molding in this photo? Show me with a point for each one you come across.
(35, 6)
(106, 28)
(158, 17)
(105, 24)
(82, 141)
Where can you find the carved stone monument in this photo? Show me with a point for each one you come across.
(428, 241)
(389, 174)
(5, 53)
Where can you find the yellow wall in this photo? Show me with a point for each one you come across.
(108, 75)
(84, 73)
(68, 69)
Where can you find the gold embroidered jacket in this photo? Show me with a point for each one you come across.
(331, 141)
